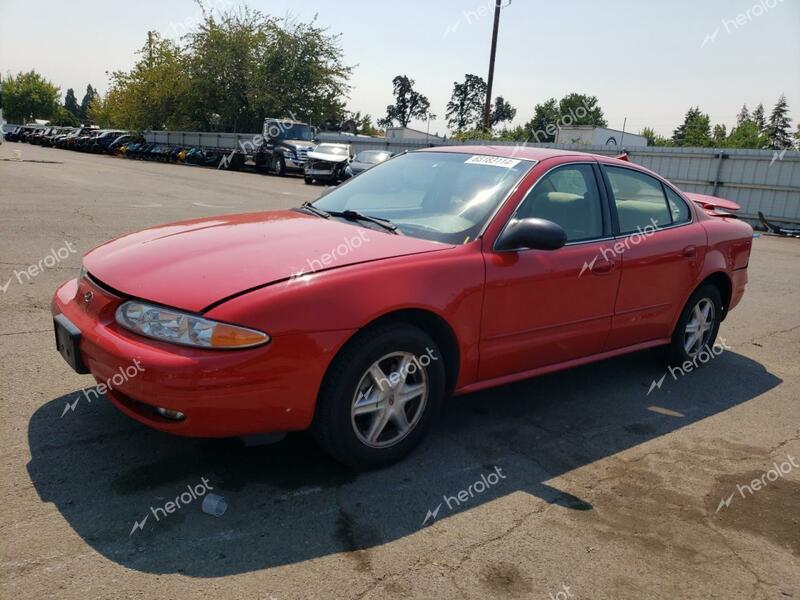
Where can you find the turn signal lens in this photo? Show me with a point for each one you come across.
(169, 325)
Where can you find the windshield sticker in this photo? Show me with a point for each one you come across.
(493, 161)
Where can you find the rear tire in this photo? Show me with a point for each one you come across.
(697, 326)
(308, 180)
(367, 418)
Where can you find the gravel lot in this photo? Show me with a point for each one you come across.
(600, 490)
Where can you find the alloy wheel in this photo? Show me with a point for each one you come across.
(699, 327)
(389, 400)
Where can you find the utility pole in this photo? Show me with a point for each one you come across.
(487, 109)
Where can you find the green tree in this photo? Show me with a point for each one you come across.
(71, 104)
(746, 135)
(695, 131)
(364, 124)
(573, 109)
(719, 135)
(465, 108)
(154, 94)
(744, 115)
(409, 104)
(654, 139)
(64, 118)
(543, 126)
(88, 97)
(778, 129)
(299, 71)
(501, 112)
(580, 109)
(29, 96)
(759, 118)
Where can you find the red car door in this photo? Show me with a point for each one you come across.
(662, 248)
(546, 307)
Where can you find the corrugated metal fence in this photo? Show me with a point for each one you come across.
(758, 180)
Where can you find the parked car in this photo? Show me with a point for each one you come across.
(104, 140)
(366, 159)
(13, 135)
(441, 271)
(327, 162)
(284, 147)
(121, 140)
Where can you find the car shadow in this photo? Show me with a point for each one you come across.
(288, 502)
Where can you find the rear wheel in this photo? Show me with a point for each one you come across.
(308, 180)
(698, 325)
(380, 397)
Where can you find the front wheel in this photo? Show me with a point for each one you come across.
(279, 165)
(698, 325)
(380, 397)
(308, 180)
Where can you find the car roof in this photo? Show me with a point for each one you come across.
(523, 152)
(516, 151)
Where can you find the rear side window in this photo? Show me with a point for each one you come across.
(639, 199)
(567, 196)
(678, 208)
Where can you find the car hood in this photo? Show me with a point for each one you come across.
(298, 144)
(193, 264)
(335, 158)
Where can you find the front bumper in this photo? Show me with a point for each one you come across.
(295, 164)
(267, 389)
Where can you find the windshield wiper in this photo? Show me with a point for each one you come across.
(308, 206)
(354, 215)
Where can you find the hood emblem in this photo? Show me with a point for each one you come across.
(88, 297)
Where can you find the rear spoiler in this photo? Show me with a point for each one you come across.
(712, 202)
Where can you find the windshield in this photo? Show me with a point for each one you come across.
(331, 149)
(372, 157)
(288, 131)
(440, 196)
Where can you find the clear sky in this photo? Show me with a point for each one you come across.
(647, 60)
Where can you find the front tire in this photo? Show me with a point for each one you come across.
(278, 165)
(380, 397)
(697, 326)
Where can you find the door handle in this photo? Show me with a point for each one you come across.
(690, 251)
(602, 268)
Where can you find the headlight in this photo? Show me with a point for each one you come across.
(176, 327)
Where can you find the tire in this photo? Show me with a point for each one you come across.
(308, 180)
(351, 378)
(278, 165)
(707, 295)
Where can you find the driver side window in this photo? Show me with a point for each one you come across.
(569, 197)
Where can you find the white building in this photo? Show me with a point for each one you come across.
(598, 136)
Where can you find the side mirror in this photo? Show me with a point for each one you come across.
(533, 234)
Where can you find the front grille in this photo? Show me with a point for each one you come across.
(302, 153)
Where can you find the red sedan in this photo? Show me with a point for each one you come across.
(443, 271)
